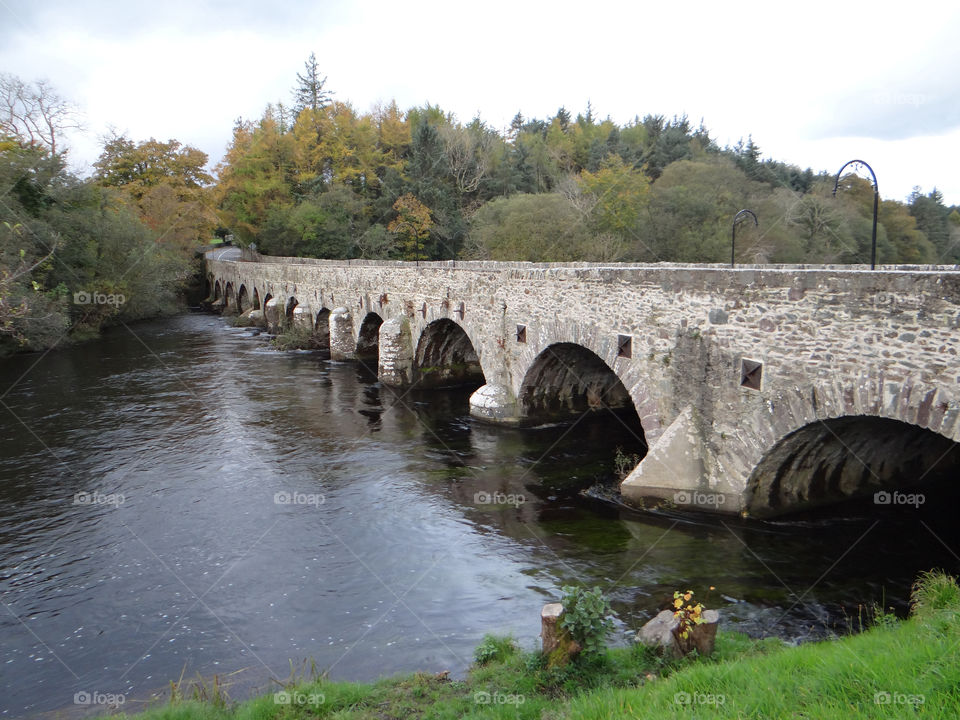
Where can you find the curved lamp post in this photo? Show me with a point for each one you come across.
(733, 229)
(876, 203)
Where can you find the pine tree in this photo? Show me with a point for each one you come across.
(515, 126)
(309, 93)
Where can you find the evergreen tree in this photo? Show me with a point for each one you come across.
(309, 92)
(932, 219)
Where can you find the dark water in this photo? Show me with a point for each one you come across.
(181, 559)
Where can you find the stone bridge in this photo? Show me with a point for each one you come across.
(758, 390)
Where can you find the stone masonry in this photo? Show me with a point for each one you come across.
(721, 364)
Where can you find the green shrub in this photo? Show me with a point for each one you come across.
(494, 649)
(297, 338)
(586, 616)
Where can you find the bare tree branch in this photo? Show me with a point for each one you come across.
(35, 114)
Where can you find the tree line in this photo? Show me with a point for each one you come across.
(318, 178)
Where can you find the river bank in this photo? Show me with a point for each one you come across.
(895, 668)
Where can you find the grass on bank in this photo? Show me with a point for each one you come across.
(896, 669)
(299, 338)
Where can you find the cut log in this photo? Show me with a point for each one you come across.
(549, 632)
(558, 647)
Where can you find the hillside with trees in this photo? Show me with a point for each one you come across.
(319, 178)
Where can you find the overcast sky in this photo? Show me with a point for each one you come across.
(816, 85)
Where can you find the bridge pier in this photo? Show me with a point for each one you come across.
(303, 318)
(343, 346)
(395, 365)
(495, 404)
(675, 469)
(272, 313)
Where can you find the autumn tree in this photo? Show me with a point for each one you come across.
(392, 135)
(412, 226)
(259, 172)
(166, 182)
(139, 166)
(619, 196)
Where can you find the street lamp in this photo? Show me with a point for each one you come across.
(733, 229)
(876, 203)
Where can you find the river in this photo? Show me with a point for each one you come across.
(177, 497)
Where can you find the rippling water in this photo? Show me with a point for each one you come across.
(239, 508)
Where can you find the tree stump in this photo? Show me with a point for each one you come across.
(557, 644)
(701, 637)
(549, 632)
(662, 632)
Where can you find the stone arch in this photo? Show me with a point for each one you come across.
(243, 300)
(217, 291)
(256, 299)
(445, 357)
(368, 339)
(567, 380)
(321, 328)
(771, 429)
(853, 456)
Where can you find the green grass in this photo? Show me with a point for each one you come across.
(894, 670)
(297, 338)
